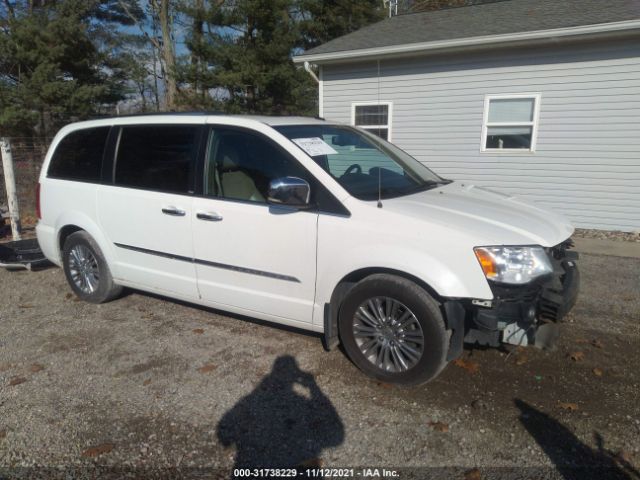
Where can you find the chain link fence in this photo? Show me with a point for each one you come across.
(28, 154)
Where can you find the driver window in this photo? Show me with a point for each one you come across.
(240, 165)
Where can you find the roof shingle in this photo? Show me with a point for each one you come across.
(503, 17)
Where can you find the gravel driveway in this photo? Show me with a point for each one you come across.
(145, 385)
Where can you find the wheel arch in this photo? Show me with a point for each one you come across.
(72, 222)
(64, 233)
(341, 289)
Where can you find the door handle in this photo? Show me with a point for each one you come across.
(173, 211)
(209, 216)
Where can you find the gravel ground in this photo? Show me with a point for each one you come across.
(608, 235)
(145, 386)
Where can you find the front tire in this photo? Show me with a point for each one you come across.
(86, 269)
(393, 330)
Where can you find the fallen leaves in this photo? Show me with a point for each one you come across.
(36, 367)
(68, 296)
(594, 342)
(312, 463)
(597, 372)
(98, 450)
(16, 381)
(439, 427)
(206, 368)
(468, 365)
(570, 407)
(25, 306)
(385, 385)
(147, 382)
(3, 434)
(198, 331)
(521, 359)
(577, 356)
(6, 366)
(623, 457)
(473, 474)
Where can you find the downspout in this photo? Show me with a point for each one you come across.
(307, 67)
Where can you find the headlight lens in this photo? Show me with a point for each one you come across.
(515, 265)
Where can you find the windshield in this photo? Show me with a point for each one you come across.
(365, 165)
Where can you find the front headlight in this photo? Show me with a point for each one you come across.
(515, 265)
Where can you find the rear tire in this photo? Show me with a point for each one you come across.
(86, 269)
(393, 330)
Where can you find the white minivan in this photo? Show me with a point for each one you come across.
(306, 223)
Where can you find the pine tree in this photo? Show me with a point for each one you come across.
(240, 51)
(324, 20)
(251, 57)
(52, 67)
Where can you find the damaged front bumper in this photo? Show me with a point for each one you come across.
(522, 314)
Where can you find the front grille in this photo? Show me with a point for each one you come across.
(515, 294)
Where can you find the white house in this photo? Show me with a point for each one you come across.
(539, 98)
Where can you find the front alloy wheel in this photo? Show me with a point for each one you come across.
(388, 334)
(393, 330)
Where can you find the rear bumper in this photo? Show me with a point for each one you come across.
(47, 240)
(520, 315)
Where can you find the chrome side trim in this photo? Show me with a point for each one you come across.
(207, 263)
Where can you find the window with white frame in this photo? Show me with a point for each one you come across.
(510, 122)
(373, 117)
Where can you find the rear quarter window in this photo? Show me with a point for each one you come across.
(78, 156)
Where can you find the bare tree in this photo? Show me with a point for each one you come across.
(160, 13)
(167, 51)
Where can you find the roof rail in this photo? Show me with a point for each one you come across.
(155, 114)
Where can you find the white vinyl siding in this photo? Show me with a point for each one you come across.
(586, 163)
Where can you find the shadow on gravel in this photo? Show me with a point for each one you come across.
(285, 422)
(573, 459)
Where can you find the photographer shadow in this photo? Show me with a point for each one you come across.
(286, 421)
(573, 459)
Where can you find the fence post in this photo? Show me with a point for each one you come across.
(10, 182)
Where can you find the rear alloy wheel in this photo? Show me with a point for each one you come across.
(83, 269)
(86, 269)
(393, 330)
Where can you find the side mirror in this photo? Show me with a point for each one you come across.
(291, 191)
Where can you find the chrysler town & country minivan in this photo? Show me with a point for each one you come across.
(306, 223)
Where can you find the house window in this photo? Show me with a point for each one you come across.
(510, 123)
(373, 117)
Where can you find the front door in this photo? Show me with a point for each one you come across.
(248, 254)
(146, 213)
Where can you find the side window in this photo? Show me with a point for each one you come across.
(510, 123)
(240, 165)
(156, 157)
(78, 156)
(374, 118)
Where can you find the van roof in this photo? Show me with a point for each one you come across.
(180, 116)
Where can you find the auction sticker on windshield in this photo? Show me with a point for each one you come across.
(314, 146)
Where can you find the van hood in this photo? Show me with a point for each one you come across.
(493, 218)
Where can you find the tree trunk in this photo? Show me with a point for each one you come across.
(198, 31)
(168, 55)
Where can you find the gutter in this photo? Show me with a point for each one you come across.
(508, 39)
